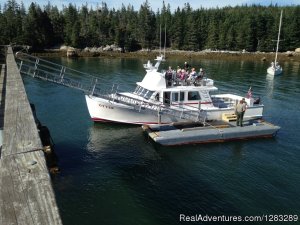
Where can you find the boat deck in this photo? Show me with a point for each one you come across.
(217, 131)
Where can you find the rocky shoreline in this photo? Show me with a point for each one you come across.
(206, 54)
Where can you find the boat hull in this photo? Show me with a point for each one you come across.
(103, 110)
(274, 71)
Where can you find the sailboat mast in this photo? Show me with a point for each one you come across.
(165, 41)
(160, 39)
(278, 37)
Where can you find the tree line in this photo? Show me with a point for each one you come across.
(253, 28)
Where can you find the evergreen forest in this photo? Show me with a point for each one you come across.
(249, 27)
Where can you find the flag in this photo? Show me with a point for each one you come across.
(249, 93)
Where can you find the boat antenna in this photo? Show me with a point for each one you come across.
(278, 37)
(165, 41)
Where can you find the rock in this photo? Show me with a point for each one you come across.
(263, 59)
(297, 50)
(289, 53)
(63, 48)
(71, 52)
(86, 49)
(94, 49)
(107, 48)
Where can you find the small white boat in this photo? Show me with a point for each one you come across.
(157, 99)
(275, 68)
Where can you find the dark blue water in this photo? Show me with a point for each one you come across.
(113, 174)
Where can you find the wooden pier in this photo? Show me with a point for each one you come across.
(26, 193)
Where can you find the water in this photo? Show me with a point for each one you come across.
(113, 174)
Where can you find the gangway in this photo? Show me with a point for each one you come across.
(52, 72)
(92, 85)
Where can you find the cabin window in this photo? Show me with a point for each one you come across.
(137, 89)
(145, 94)
(148, 94)
(193, 95)
(167, 97)
(181, 96)
(175, 96)
(142, 92)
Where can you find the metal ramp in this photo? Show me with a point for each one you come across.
(92, 85)
(52, 72)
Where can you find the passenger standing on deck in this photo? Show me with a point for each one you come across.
(183, 76)
(186, 66)
(169, 76)
(192, 76)
(240, 109)
(201, 73)
(177, 75)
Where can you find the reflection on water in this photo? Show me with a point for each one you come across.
(269, 85)
(121, 144)
(102, 136)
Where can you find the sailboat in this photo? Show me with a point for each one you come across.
(275, 68)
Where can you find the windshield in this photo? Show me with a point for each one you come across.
(143, 92)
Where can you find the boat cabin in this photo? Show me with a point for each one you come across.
(154, 88)
(189, 97)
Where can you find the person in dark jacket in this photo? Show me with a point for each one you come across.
(240, 109)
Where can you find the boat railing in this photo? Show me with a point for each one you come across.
(197, 82)
(179, 111)
(182, 111)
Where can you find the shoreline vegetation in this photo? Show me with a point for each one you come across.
(184, 31)
(151, 54)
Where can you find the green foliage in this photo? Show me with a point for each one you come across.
(147, 26)
(253, 28)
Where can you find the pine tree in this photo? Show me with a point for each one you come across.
(147, 26)
(177, 30)
(70, 18)
(233, 28)
(213, 35)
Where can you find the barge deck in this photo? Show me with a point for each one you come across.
(216, 131)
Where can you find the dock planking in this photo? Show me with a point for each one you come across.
(26, 193)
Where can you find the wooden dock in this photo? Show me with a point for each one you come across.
(26, 193)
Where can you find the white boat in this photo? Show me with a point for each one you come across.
(157, 100)
(275, 68)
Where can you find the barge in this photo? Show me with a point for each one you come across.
(182, 133)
